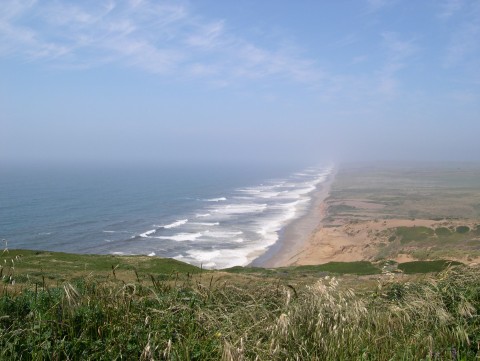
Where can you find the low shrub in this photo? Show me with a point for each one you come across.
(414, 234)
(426, 266)
(442, 231)
(462, 229)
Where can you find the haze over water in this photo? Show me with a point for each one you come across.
(211, 216)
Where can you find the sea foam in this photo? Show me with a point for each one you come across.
(147, 233)
(219, 199)
(181, 237)
(241, 209)
(175, 224)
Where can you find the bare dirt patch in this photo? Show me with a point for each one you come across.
(375, 213)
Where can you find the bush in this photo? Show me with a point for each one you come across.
(442, 231)
(462, 229)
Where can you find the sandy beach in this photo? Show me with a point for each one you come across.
(361, 218)
(294, 238)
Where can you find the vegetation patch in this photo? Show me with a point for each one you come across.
(426, 266)
(476, 231)
(355, 268)
(442, 231)
(193, 315)
(341, 208)
(412, 234)
(421, 253)
(199, 318)
(252, 270)
(462, 229)
(358, 268)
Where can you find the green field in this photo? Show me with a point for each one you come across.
(417, 234)
(426, 266)
(357, 268)
(82, 307)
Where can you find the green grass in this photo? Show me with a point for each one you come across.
(426, 266)
(188, 318)
(183, 313)
(96, 263)
(357, 268)
(414, 234)
(254, 270)
(41, 266)
(443, 231)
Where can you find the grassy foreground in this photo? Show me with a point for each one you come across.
(58, 306)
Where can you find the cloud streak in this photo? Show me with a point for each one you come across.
(173, 41)
(397, 53)
(449, 7)
(377, 5)
(463, 47)
(166, 39)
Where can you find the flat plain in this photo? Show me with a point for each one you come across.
(401, 212)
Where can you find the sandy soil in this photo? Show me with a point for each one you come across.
(317, 238)
(354, 241)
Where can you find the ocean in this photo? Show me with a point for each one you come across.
(215, 216)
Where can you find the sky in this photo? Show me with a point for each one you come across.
(274, 80)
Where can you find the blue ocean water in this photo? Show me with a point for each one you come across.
(216, 215)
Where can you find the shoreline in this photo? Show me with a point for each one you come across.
(294, 237)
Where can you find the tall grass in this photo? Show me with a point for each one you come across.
(195, 318)
(437, 319)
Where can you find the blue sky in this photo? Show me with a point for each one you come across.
(154, 81)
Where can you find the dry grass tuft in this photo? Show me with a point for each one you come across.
(185, 317)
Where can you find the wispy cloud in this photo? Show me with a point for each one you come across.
(449, 7)
(359, 59)
(208, 36)
(375, 5)
(464, 44)
(346, 40)
(398, 51)
(20, 39)
(164, 38)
